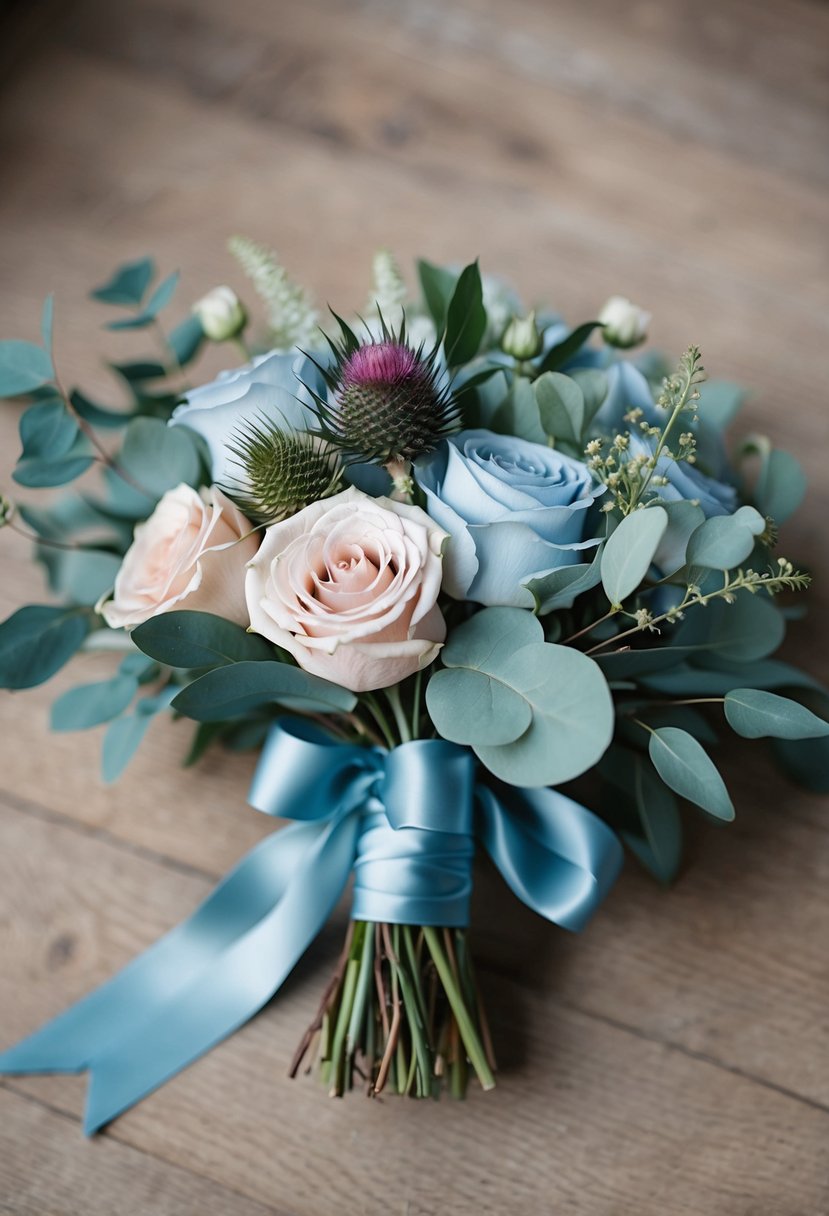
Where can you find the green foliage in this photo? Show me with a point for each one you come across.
(725, 541)
(90, 705)
(559, 354)
(629, 551)
(534, 713)
(781, 486)
(37, 641)
(185, 340)
(750, 628)
(559, 588)
(97, 415)
(159, 300)
(756, 714)
(437, 285)
(80, 576)
(229, 692)
(124, 736)
(159, 457)
(198, 639)
(659, 846)
(720, 402)
(686, 768)
(465, 318)
(24, 367)
(128, 283)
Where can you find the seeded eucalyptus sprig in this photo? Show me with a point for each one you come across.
(628, 468)
(281, 471)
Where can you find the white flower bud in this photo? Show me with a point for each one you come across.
(521, 338)
(222, 314)
(625, 324)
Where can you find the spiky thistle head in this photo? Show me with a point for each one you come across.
(280, 470)
(387, 401)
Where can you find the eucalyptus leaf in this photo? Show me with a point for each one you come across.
(661, 849)
(781, 486)
(122, 739)
(198, 639)
(24, 367)
(186, 339)
(37, 641)
(81, 576)
(160, 457)
(158, 300)
(720, 402)
(683, 519)
(687, 769)
(47, 430)
(228, 692)
(629, 551)
(559, 588)
(518, 414)
(756, 714)
(97, 415)
(465, 318)
(560, 406)
(750, 628)
(90, 705)
(128, 284)
(593, 384)
(690, 681)
(40, 472)
(805, 761)
(725, 541)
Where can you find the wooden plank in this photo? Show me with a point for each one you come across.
(586, 1115)
(45, 1170)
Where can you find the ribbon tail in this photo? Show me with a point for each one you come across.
(559, 858)
(204, 979)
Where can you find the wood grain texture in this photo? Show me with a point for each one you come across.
(672, 1059)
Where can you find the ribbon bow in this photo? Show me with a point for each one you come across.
(404, 821)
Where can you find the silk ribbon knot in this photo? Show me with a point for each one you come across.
(405, 822)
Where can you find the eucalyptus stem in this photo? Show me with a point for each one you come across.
(468, 1033)
(393, 698)
(380, 718)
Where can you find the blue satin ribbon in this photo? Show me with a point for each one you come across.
(404, 822)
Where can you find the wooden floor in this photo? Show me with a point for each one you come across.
(672, 1061)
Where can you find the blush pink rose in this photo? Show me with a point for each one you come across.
(190, 553)
(349, 587)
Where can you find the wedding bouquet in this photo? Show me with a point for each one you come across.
(435, 562)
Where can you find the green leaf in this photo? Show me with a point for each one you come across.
(781, 486)
(757, 715)
(517, 414)
(465, 318)
(750, 628)
(560, 406)
(437, 285)
(159, 299)
(47, 430)
(558, 355)
(593, 385)
(46, 322)
(37, 641)
(185, 340)
(661, 849)
(687, 681)
(23, 367)
(90, 705)
(720, 402)
(97, 415)
(683, 519)
(43, 471)
(81, 576)
(127, 284)
(687, 769)
(629, 551)
(121, 742)
(230, 691)
(805, 761)
(160, 457)
(535, 713)
(138, 371)
(559, 588)
(725, 541)
(198, 639)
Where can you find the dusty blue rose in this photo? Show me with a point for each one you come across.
(272, 387)
(513, 509)
(686, 483)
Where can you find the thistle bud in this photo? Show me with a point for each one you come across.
(521, 338)
(386, 401)
(281, 471)
(221, 313)
(624, 324)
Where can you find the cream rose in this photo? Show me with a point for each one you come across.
(190, 553)
(349, 587)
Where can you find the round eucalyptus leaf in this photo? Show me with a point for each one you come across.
(572, 716)
(725, 541)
